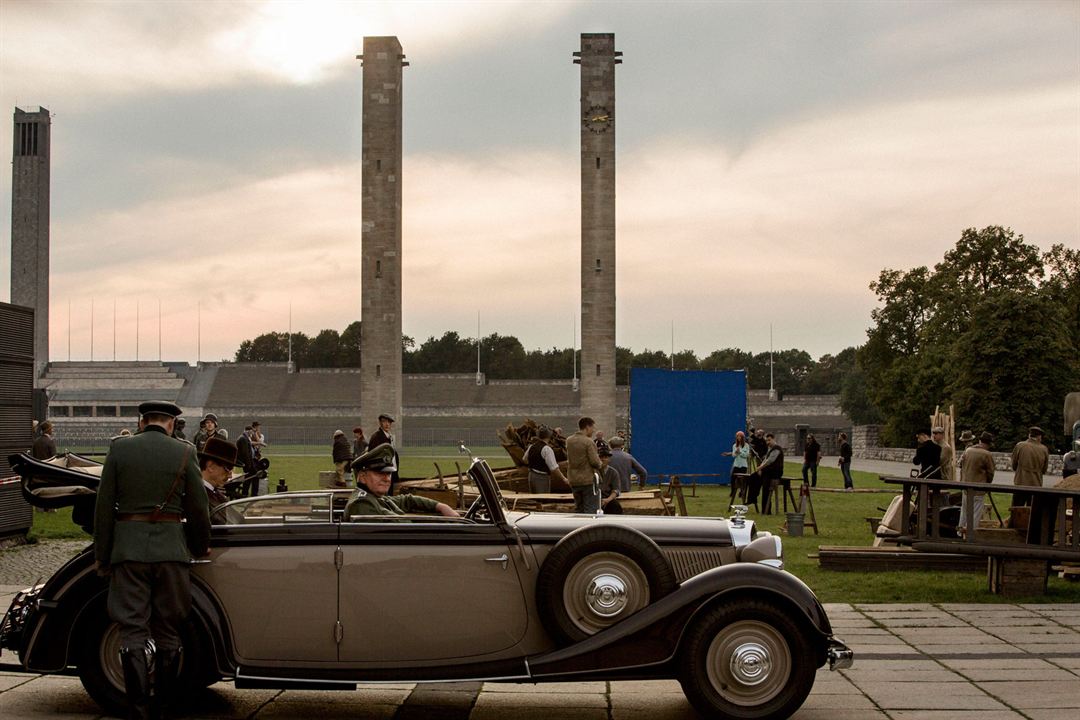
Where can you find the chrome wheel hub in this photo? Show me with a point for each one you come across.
(603, 588)
(606, 595)
(750, 663)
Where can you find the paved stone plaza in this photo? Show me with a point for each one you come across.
(912, 662)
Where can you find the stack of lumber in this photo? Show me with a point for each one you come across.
(516, 440)
(513, 482)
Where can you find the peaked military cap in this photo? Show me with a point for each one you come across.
(159, 407)
(379, 459)
(220, 450)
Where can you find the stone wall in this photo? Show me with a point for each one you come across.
(1002, 460)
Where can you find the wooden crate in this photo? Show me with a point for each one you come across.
(1016, 577)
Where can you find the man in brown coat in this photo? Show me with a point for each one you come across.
(582, 462)
(1030, 459)
(976, 466)
(948, 459)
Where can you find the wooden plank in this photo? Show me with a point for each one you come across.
(871, 559)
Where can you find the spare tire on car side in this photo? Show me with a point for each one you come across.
(597, 576)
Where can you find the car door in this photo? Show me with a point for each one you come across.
(427, 590)
(272, 568)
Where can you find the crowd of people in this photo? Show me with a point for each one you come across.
(757, 467)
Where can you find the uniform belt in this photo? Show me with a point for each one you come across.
(149, 517)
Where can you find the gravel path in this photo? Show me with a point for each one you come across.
(24, 564)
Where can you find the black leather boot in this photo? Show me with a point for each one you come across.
(166, 675)
(136, 665)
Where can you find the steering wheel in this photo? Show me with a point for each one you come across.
(478, 510)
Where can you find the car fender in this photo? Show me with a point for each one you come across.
(652, 636)
(76, 589)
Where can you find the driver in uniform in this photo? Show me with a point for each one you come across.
(374, 470)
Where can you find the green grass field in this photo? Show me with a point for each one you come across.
(840, 518)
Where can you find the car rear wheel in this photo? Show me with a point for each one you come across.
(747, 660)
(97, 644)
(598, 576)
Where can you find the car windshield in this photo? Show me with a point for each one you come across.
(280, 508)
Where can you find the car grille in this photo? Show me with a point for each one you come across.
(689, 562)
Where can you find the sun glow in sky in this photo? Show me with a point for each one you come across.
(772, 159)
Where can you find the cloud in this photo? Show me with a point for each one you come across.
(81, 50)
(790, 231)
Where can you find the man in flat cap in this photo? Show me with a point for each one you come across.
(216, 462)
(383, 436)
(149, 484)
(373, 470)
(1030, 459)
(976, 466)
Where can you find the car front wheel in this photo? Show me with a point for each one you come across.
(747, 660)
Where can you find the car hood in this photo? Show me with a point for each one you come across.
(553, 527)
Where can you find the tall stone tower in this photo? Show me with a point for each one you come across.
(380, 314)
(30, 160)
(598, 59)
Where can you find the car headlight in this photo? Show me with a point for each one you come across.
(767, 549)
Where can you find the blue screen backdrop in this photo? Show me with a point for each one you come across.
(681, 420)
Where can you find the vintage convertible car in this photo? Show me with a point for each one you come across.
(294, 595)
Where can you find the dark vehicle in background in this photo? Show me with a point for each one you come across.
(285, 600)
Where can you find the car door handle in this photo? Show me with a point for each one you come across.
(501, 559)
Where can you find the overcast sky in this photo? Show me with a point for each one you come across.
(772, 159)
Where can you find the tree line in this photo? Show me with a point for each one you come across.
(993, 329)
(504, 357)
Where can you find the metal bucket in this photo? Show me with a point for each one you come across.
(795, 524)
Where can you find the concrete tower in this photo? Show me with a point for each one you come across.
(380, 314)
(30, 225)
(598, 59)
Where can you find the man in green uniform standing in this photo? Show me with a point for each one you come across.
(150, 482)
(373, 471)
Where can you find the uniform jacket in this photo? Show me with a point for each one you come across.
(1029, 461)
(138, 474)
(363, 502)
(977, 465)
(582, 460)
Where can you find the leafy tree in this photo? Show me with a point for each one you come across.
(502, 356)
(686, 360)
(1006, 377)
(324, 350)
(789, 367)
(989, 330)
(273, 347)
(826, 376)
(450, 353)
(727, 359)
(349, 351)
(1063, 285)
